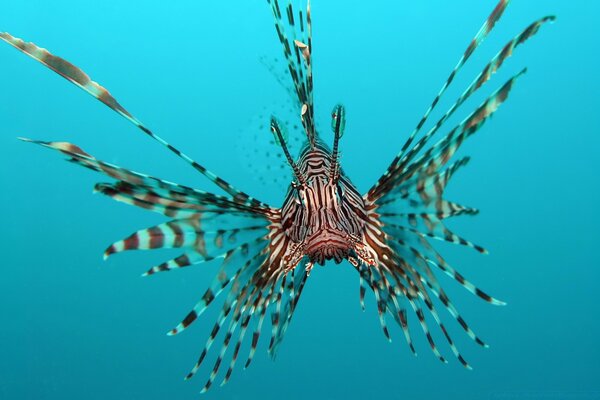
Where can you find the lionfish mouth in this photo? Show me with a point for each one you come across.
(328, 245)
(329, 253)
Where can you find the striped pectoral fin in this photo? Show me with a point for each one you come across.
(245, 307)
(172, 234)
(262, 313)
(129, 182)
(377, 285)
(229, 303)
(417, 258)
(401, 290)
(423, 255)
(425, 183)
(295, 288)
(65, 147)
(445, 300)
(400, 271)
(177, 204)
(147, 191)
(483, 32)
(498, 60)
(440, 210)
(237, 294)
(402, 320)
(256, 336)
(438, 291)
(431, 227)
(261, 303)
(494, 65)
(187, 233)
(424, 327)
(431, 282)
(276, 313)
(151, 201)
(436, 317)
(236, 351)
(237, 264)
(389, 298)
(361, 292)
(196, 254)
(78, 77)
(443, 151)
(70, 72)
(419, 250)
(291, 289)
(491, 68)
(84, 159)
(458, 277)
(239, 309)
(182, 261)
(435, 157)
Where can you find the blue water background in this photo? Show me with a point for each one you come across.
(76, 327)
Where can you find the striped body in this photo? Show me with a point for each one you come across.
(327, 217)
(266, 253)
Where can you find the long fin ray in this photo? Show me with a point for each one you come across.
(485, 29)
(79, 78)
(493, 65)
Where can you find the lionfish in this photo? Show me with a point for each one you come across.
(267, 253)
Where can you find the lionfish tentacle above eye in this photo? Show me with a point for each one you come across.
(280, 138)
(338, 122)
(265, 255)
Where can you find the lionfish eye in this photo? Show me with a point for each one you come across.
(296, 192)
(339, 191)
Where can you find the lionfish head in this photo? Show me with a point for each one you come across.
(323, 213)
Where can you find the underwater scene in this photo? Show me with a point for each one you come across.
(415, 183)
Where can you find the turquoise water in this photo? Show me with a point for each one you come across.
(76, 327)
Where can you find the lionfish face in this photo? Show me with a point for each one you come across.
(323, 214)
(320, 218)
